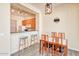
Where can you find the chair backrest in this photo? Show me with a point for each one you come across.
(61, 37)
(56, 38)
(53, 35)
(65, 42)
(44, 37)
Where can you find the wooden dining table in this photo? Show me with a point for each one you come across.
(55, 44)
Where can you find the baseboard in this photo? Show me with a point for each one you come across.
(73, 49)
(14, 52)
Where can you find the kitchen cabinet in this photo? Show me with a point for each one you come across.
(29, 23)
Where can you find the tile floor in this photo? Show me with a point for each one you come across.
(33, 50)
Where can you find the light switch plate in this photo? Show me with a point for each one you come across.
(1, 34)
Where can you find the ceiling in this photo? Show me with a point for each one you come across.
(41, 6)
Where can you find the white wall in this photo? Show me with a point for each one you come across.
(4, 29)
(69, 21)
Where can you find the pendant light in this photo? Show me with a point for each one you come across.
(48, 8)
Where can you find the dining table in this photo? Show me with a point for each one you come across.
(53, 43)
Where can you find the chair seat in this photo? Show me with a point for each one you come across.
(59, 49)
(47, 45)
(56, 47)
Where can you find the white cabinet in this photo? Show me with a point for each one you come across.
(14, 42)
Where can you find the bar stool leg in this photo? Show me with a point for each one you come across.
(22, 50)
(22, 45)
(19, 47)
(48, 49)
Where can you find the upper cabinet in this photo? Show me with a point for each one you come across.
(22, 18)
(30, 24)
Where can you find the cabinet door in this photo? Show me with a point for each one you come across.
(31, 22)
(14, 43)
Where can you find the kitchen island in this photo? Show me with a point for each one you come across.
(15, 37)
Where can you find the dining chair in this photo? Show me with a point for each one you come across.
(65, 43)
(53, 36)
(44, 47)
(61, 35)
(56, 44)
(59, 48)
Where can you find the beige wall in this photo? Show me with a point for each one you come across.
(69, 23)
(4, 29)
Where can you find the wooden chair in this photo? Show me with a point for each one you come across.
(53, 35)
(65, 43)
(44, 44)
(56, 45)
(61, 37)
(60, 48)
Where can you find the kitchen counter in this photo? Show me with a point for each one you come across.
(23, 32)
(15, 37)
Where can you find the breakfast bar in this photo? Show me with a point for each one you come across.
(15, 37)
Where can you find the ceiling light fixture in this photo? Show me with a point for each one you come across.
(48, 8)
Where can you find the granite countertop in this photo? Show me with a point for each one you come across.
(22, 31)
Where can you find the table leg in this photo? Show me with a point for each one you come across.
(65, 51)
(40, 47)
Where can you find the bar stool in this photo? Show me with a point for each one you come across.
(33, 41)
(22, 43)
(33, 38)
